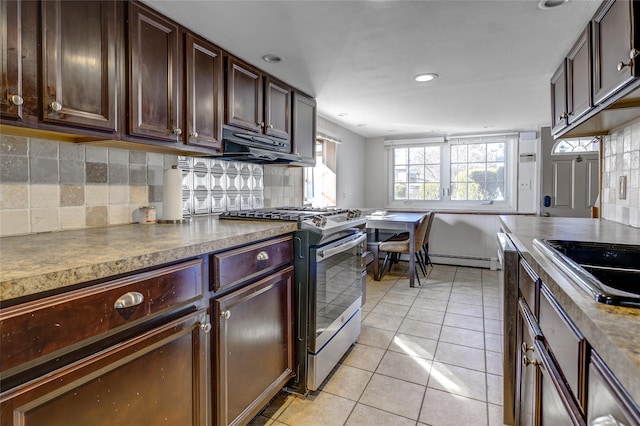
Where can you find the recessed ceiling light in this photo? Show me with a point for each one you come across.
(342, 114)
(272, 58)
(550, 4)
(425, 77)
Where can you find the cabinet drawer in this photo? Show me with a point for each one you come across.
(564, 341)
(239, 265)
(608, 400)
(43, 329)
(528, 284)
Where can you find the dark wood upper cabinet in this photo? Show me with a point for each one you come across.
(204, 93)
(154, 76)
(244, 107)
(277, 109)
(614, 42)
(79, 63)
(304, 127)
(579, 98)
(559, 98)
(12, 100)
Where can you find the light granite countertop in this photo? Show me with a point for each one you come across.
(612, 331)
(36, 263)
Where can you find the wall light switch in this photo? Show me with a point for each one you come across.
(524, 184)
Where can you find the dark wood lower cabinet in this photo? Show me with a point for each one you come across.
(253, 346)
(159, 377)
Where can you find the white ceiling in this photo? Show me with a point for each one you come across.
(494, 58)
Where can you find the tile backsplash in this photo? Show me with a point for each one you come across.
(621, 163)
(52, 186)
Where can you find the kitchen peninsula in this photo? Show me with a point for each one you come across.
(603, 337)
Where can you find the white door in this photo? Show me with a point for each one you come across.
(570, 182)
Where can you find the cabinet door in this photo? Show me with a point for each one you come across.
(559, 98)
(12, 96)
(160, 377)
(253, 346)
(277, 101)
(154, 72)
(579, 77)
(557, 407)
(608, 400)
(204, 79)
(612, 32)
(79, 63)
(528, 378)
(244, 96)
(304, 127)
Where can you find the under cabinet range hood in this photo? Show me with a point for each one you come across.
(244, 145)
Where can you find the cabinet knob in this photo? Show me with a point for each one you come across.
(263, 255)
(525, 348)
(177, 131)
(261, 124)
(622, 65)
(56, 106)
(16, 100)
(225, 314)
(206, 328)
(128, 300)
(194, 134)
(271, 126)
(527, 362)
(563, 116)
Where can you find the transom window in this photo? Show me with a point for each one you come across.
(569, 146)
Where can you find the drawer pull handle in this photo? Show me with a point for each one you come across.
(527, 362)
(133, 298)
(206, 328)
(607, 420)
(263, 255)
(225, 314)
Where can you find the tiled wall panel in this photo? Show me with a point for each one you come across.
(621, 162)
(50, 186)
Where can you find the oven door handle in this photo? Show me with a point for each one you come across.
(331, 251)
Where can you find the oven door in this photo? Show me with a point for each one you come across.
(335, 287)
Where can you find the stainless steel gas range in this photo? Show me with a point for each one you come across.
(330, 276)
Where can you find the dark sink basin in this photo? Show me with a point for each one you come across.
(610, 272)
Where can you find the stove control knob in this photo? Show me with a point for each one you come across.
(354, 214)
(319, 221)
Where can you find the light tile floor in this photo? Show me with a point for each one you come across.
(426, 356)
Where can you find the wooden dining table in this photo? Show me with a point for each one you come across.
(397, 222)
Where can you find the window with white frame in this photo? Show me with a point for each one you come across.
(464, 170)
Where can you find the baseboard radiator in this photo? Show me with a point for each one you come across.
(455, 260)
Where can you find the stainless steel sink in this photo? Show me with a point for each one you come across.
(610, 272)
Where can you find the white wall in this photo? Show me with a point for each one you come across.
(375, 187)
(351, 164)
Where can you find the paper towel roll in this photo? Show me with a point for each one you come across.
(172, 194)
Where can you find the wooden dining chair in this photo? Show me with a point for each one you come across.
(399, 244)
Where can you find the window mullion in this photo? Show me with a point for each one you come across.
(445, 172)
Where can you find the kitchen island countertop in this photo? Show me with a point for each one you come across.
(36, 263)
(612, 331)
